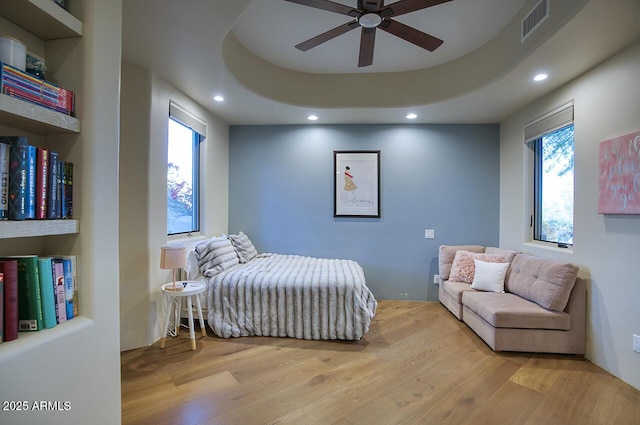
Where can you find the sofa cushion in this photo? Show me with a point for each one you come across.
(447, 254)
(546, 282)
(511, 311)
(509, 254)
(489, 276)
(455, 289)
(463, 267)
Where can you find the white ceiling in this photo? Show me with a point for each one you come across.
(190, 43)
(464, 25)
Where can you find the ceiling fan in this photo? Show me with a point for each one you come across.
(372, 14)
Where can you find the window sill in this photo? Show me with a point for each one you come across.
(548, 248)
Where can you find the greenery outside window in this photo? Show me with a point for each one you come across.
(183, 174)
(552, 147)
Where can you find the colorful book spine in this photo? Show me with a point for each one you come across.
(1, 307)
(32, 152)
(62, 195)
(5, 154)
(69, 190)
(46, 288)
(29, 294)
(68, 286)
(24, 86)
(71, 260)
(53, 187)
(58, 275)
(42, 182)
(9, 270)
(17, 176)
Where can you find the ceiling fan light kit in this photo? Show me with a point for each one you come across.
(370, 15)
(369, 20)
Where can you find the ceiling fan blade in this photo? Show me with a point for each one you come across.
(367, 42)
(328, 6)
(370, 5)
(408, 6)
(411, 35)
(326, 36)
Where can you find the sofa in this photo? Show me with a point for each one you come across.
(514, 301)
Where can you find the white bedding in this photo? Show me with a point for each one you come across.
(291, 296)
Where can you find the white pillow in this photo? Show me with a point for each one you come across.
(489, 276)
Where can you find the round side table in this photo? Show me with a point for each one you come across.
(190, 289)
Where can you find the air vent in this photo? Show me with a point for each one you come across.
(535, 18)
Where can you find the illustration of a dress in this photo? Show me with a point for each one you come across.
(349, 185)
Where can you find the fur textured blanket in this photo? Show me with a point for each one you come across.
(291, 296)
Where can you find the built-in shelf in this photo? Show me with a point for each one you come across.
(30, 340)
(33, 228)
(38, 119)
(43, 18)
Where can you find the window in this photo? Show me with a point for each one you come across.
(551, 141)
(183, 172)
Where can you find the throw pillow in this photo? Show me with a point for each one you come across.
(244, 246)
(215, 255)
(463, 267)
(489, 276)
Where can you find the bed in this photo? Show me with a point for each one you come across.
(281, 295)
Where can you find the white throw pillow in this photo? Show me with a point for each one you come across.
(489, 276)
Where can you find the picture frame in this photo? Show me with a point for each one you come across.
(356, 184)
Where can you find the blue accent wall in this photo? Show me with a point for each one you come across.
(441, 177)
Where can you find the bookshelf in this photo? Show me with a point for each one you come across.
(33, 228)
(83, 51)
(34, 118)
(43, 18)
(49, 22)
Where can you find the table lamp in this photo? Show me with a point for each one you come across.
(173, 257)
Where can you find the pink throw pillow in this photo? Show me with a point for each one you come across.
(463, 267)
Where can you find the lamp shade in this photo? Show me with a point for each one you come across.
(173, 257)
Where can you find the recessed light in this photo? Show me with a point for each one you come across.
(412, 116)
(540, 77)
(218, 98)
(312, 118)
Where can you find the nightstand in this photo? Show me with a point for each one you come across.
(191, 289)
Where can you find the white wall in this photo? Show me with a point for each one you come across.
(79, 361)
(607, 247)
(143, 206)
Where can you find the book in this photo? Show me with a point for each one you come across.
(49, 319)
(17, 176)
(9, 270)
(53, 188)
(68, 286)
(29, 294)
(42, 182)
(62, 194)
(24, 86)
(31, 181)
(69, 190)
(5, 154)
(1, 305)
(58, 276)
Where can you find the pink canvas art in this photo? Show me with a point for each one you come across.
(619, 178)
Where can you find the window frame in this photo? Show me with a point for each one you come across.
(534, 132)
(198, 128)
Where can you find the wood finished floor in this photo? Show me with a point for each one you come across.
(417, 365)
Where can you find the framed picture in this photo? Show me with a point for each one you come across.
(356, 184)
(619, 177)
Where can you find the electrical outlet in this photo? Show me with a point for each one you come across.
(429, 234)
(436, 279)
(636, 343)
